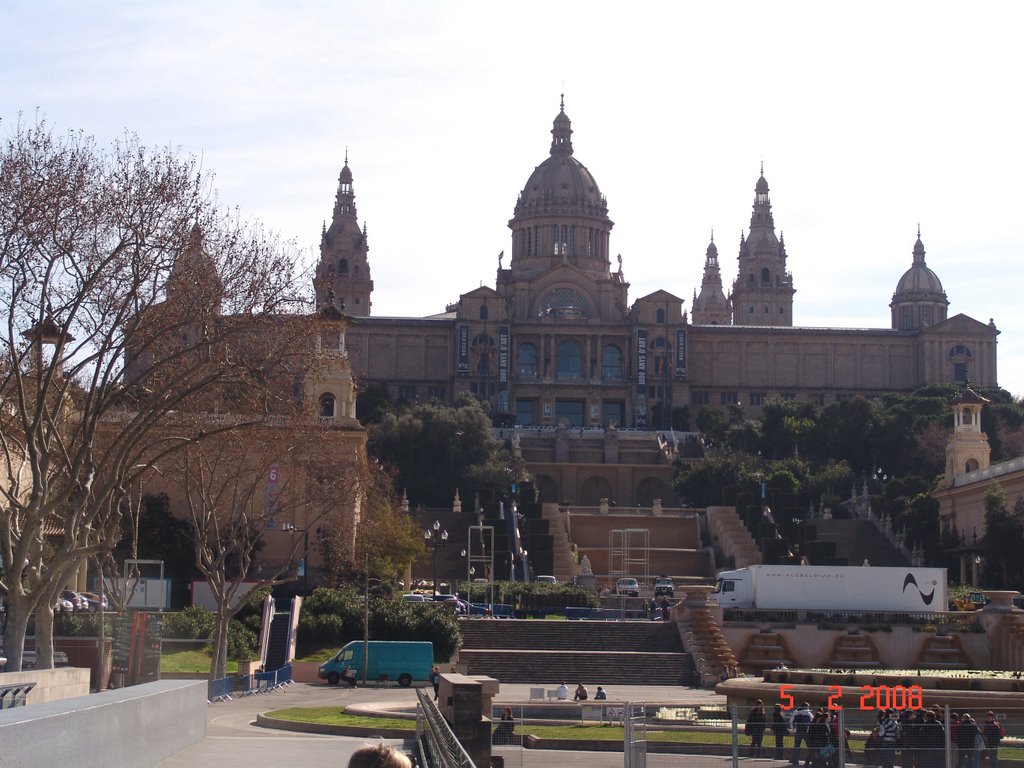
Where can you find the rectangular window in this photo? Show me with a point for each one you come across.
(526, 411)
(788, 396)
(818, 399)
(926, 316)
(614, 412)
(959, 371)
(700, 398)
(435, 392)
(571, 411)
(572, 240)
(757, 398)
(906, 318)
(407, 392)
(728, 398)
(554, 238)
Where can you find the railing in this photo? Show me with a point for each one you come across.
(437, 744)
(961, 621)
(222, 689)
(15, 695)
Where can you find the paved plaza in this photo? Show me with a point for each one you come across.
(232, 739)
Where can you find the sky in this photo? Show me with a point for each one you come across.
(871, 119)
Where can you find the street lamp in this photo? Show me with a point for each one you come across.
(434, 538)
(291, 528)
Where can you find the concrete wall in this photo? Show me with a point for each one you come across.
(51, 684)
(136, 726)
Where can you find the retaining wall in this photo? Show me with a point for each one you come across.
(136, 726)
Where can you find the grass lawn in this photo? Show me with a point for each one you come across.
(316, 652)
(337, 716)
(190, 661)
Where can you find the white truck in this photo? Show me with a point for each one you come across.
(833, 588)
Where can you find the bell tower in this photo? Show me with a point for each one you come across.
(763, 291)
(968, 449)
(344, 267)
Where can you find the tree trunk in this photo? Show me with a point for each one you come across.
(219, 663)
(14, 638)
(44, 636)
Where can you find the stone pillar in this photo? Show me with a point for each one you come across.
(465, 702)
(603, 506)
(656, 509)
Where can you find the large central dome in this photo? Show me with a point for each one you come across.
(561, 184)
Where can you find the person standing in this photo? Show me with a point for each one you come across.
(780, 727)
(506, 728)
(993, 732)
(755, 727)
(801, 722)
(435, 679)
(889, 738)
(969, 743)
(931, 742)
(817, 740)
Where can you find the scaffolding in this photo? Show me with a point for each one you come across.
(629, 554)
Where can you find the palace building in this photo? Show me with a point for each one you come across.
(557, 339)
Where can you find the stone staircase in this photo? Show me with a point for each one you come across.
(854, 651)
(732, 537)
(765, 650)
(704, 639)
(561, 548)
(858, 540)
(942, 652)
(592, 652)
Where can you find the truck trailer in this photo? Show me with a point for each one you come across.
(833, 588)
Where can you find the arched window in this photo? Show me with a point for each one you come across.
(611, 363)
(766, 276)
(569, 361)
(526, 361)
(343, 266)
(971, 465)
(659, 317)
(483, 311)
(327, 406)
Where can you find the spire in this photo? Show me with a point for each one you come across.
(918, 248)
(561, 132)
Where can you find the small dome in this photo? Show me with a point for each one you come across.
(346, 174)
(762, 185)
(712, 249)
(919, 279)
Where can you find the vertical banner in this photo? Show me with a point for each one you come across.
(463, 354)
(503, 341)
(270, 500)
(641, 379)
(681, 354)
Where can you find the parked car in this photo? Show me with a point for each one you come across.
(461, 607)
(663, 585)
(545, 580)
(96, 602)
(414, 597)
(63, 606)
(78, 603)
(628, 586)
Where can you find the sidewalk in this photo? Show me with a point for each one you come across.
(232, 740)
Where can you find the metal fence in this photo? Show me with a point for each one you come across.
(225, 688)
(634, 735)
(437, 745)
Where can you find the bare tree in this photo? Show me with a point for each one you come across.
(128, 299)
(243, 491)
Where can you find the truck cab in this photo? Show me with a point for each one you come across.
(732, 590)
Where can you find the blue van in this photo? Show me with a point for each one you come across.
(407, 662)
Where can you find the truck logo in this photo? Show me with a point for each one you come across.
(926, 598)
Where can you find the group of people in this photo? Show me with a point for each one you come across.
(580, 694)
(918, 737)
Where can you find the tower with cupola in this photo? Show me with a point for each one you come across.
(343, 273)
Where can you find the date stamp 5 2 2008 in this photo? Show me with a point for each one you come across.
(871, 696)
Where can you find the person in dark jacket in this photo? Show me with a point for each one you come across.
(755, 727)
(969, 742)
(993, 732)
(931, 742)
(780, 727)
(817, 740)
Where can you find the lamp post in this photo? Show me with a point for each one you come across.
(291, 528)
(435, 538)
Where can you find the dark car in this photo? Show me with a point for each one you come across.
(663, 585)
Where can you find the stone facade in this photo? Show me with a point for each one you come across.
(557, 339)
